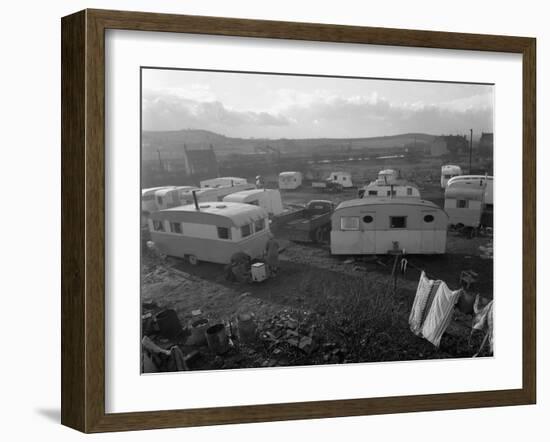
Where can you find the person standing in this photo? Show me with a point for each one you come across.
(272, 256)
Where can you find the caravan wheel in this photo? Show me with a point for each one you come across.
(193, 260)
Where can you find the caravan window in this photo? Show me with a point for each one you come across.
(373, 192)
(461, 204)
(224, 233)
(409, 191)
(175, 227)
(158, 225)
(349, 223)
(255, 202)
(398, 222)
(259, 225)
(246, 230)
(159, 200)
(391, 192)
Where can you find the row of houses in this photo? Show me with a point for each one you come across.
(451, 145)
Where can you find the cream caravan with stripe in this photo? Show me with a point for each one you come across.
(213, 232)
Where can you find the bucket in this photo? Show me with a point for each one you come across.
(168, 323)
(246, 328)
(198, 332)
(217, 339)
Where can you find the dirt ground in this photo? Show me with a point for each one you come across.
(303, 313)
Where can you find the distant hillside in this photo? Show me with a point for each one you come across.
(172, 142)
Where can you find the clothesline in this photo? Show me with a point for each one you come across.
(430, 276)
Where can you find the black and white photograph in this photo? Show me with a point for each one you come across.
(302, 220)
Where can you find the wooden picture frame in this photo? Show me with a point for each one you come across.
(83, 219)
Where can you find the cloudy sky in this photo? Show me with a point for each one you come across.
(284, 106)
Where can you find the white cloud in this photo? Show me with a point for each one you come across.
(295, 114)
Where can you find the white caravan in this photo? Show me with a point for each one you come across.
(447, 172)
(290, 180)
(342, 178)
(269, 199)
(224, 181)
(475, 181)
(372, 226)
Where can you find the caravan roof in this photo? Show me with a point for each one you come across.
(450, 167)
(152, 190)
(223, 214)
(222, 181)
(243, 195)
(164, 190)
(461, 178)
(386, 201)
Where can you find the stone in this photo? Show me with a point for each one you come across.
(305, 344)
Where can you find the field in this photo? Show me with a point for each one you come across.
(320, 308)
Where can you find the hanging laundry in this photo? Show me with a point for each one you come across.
(419, 304)
(432, 309)
(483, 321)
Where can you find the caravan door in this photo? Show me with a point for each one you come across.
(368, 234)
(427, 233)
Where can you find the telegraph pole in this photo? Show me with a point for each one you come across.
(160, 160)
(470, 167)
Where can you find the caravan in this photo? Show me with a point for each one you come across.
(269, 199)
(290, 180)
(148, 201)
(225, 181)
(447, 172)
(341, 178)
(374, 190)
(387, 176)
(464, 205)
(381, 225)
(172, 197)
(211, 232)
(207, 194)
(475, 181)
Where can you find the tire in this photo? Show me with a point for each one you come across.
(193, 260)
